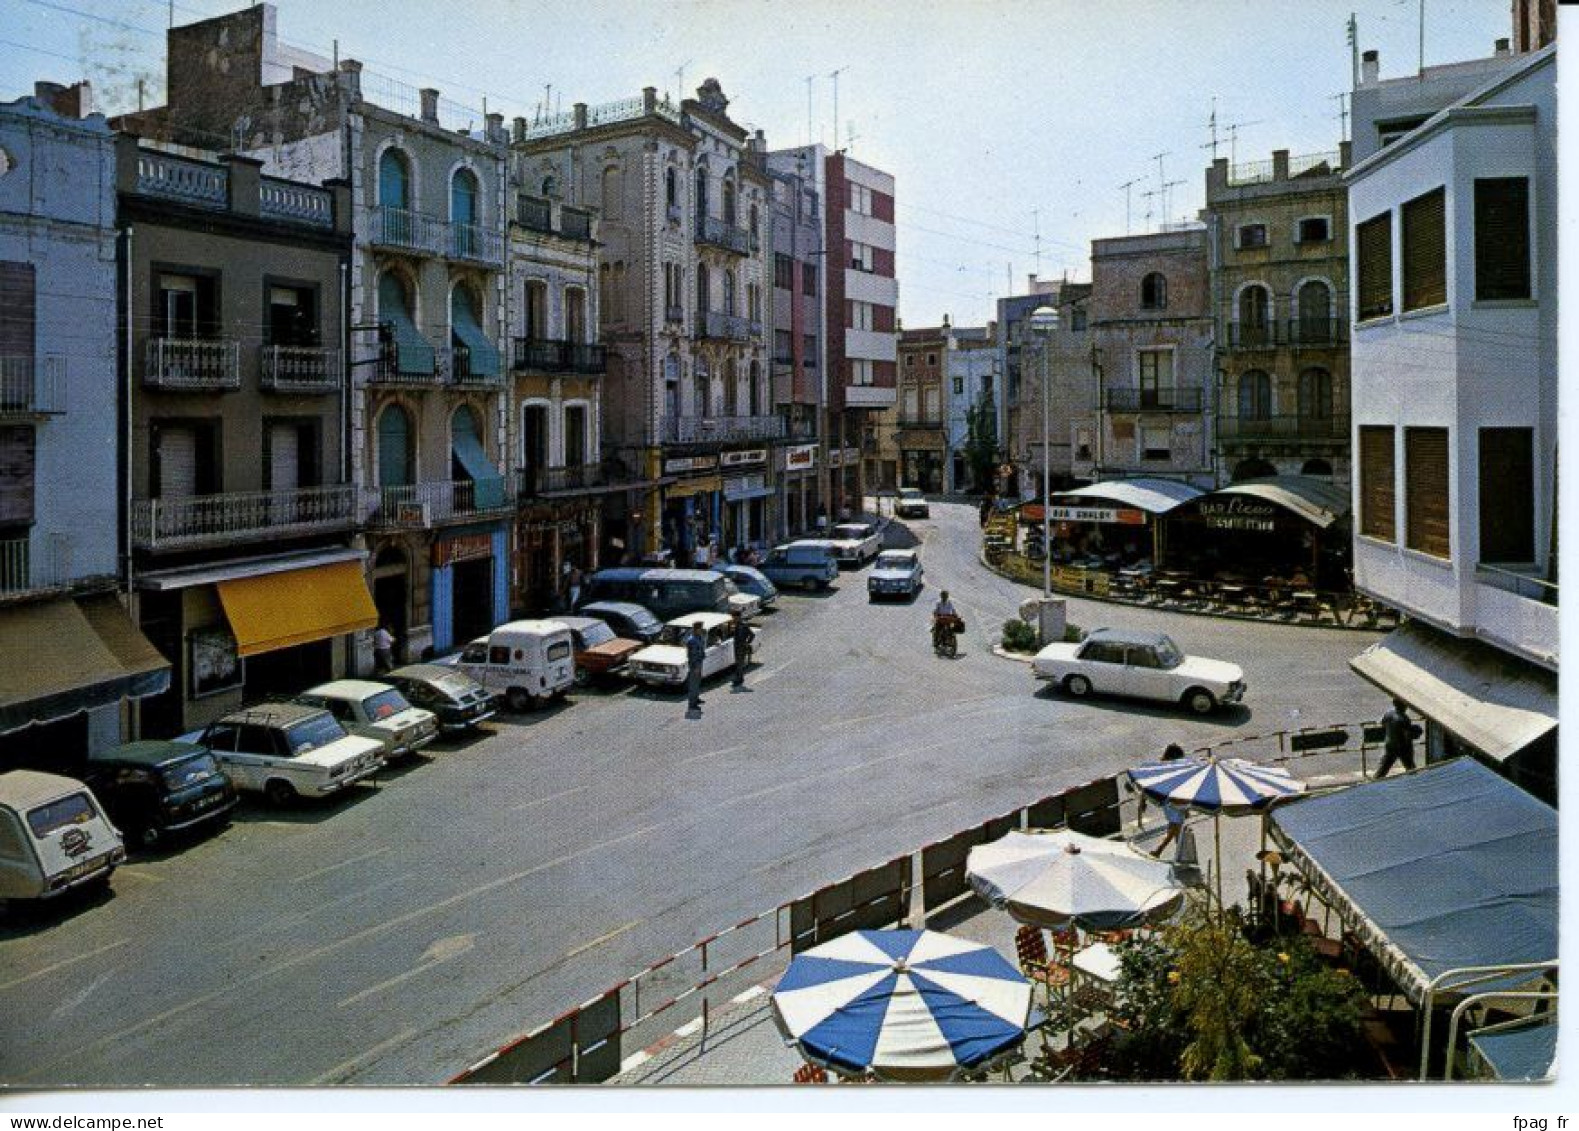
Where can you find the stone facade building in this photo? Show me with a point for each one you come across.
(920, 438)
(1065, 358)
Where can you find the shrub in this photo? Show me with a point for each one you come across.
(1019, 636)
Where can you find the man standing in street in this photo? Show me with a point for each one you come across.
(695, 655)
(743, 638)
(383, 650)
(1399, 735)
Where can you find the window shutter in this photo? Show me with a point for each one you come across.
(1375, 247)
(1376, 483)
(1425, 471)
(1425, 250)
(16, 310)
(1502, 238)
(1507, 495)
(17, 447)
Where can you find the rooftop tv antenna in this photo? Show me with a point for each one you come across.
(834, 75)
(1126, 186)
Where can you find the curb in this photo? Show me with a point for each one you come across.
(1018, 657)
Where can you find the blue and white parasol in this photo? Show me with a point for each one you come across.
(1228, 785)
(905, 1005)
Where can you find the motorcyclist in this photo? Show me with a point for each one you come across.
(944, 616)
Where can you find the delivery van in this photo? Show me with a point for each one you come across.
(526, 662)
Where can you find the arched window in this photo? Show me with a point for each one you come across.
(1315, 394)
(395, 455)
(704, 298)
(550, 185)
(1154, 292)
(394, 180)
(463, 197)
(409, 351)
(729, 201)
(1315, 313)
(1255, 316)
(671, 187)
(1255, 395)
(474, 352)
(701, 192)
(1317, 467)
(729, 292)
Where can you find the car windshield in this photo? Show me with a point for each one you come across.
(188, 771)
(311, 733)
(674, 634)
(595, 634)
(1168, 654)
(385, 704)
(909, 492)
(51, 818)
(893, 561)
(852, 531)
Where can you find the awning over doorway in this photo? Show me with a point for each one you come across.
(282, 610)
(1495, 703)
(72, 655)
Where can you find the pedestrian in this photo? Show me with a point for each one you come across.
(1174, 817)
(1399, 733)
(573, 581)
(383, 649)
(695, 655)
(743, 640)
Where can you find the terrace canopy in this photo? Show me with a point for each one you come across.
(1275, 524)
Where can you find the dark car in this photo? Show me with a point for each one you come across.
(751, 580)
(151, 789)
(632, 621)
(459, 701)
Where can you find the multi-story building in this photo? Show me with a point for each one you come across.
(242, 503)
(800, 369)
(1064, 358)
(427, 425)
(73, 656)
(970, 384)
(1453, 226)
(1151, 329)
(1017, 349)
(920, 433)
(682, 194)
(862, 299)
(1277, 238)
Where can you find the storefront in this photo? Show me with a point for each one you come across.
(798, 498)
(549, 536)
(1280, 528)
(1117, 522)
(470, 582)
(922, 461)
(747, 498)
(692, 505)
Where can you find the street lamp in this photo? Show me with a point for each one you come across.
(1044, 321)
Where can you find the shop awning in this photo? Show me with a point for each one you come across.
(1154, 496)
(70, 655)
(1497, 704)
(685, 487)
(281, 610)
(1528, 1052)
(1315, 500)
(484, 358)
(487, 484)
(1446, 868)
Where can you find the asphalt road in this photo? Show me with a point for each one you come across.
(400, 933)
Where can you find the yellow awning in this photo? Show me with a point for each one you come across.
(281, 610)
(699, 486)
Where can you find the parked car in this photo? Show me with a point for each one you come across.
(457, 700)
(376, 710)
(54, 836)
(289, 750)
(664, 664)
(633, 622)
(752, 582)
(855, 543)
(153, 788)
(897, 572)
(663, 592)
(911, 504)
(1147, 665)
(807, 564)
(528, 662)
(600, 653)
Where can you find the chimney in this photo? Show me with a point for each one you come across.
(75, 101)
(1500, 48)
(1280, 164)
(518, 130)
(1370, 67)
(495, 130)
(430, 105)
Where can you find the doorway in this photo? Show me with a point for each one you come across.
(472, 600)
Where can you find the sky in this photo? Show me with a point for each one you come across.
(1001, 121)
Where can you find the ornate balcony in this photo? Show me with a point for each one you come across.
(412, 364)
(723, 327)
(588, 478)
(406, 230)
(32, 386)
(1331, 428)
(472, 243)
(574, 224)
(192, 364)
(1246, 336)
(555, 355)
(711, 230)
(204, 520)
(722, 429)
(23, 571)
(1317, 331)
(1152, 400)
(285, 200)
(534, 213)
(419, 506)
(182, 179)
(299, 369)
(462, 366)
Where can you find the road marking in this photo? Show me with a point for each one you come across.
(146, 877)
(64, 962)
(601, 939)
(837, 723)
(81, 995)
(440, 952)
(763, 677)
(712, 754)
(550, 797)
(342, 864)
(330, 1077)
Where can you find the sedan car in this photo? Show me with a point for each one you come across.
(155, 788)
(751, 581)
(375, 710)
(855, 543)
(807, 564)
(897, 573)
(600, 653)
(457, 700)
(911, 503)
(1146, 665)
(286, 750)
(664, 664)
(631, 621)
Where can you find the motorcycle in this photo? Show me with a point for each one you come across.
(945, 635)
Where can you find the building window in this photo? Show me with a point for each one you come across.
(753, 302)
(1507, 495)
(729, 292)
(1255, 316)
(551, 186)
(1155, 370)
(783, 272)
(862, 257)
(1315, 395)
(396, 448)
(959, 386)
(1389, 132)
(1255, 395)
(860, 371)
(704, 298)
(701, 192)
(671, 287)
(860, 199)
(783, 347)
(1252, 235)
(729, 202)
(755, 227)
(860, 315)
(187, 307)
(1156, 442)
(808, 346)
(671, 187)
(576, 435)
(1374, 246)
(808, 279)
(18, 485)
(293, 317)
(463, 197)
(932, 359)
(1077, 320)
(290, 454)
(1377, 493)
(1313, 229)
(1502, 238)
(575, 314)
(394, 180)
(1153, 292)
(1425, 250)
(536, 310)
(1314, 303)
(1425, 491)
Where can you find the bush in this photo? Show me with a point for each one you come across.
(1073, 634)
(1019, 636)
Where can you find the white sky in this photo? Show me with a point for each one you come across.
(983, 110)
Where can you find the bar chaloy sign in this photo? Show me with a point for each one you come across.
(1238, 513)
(1124, 516)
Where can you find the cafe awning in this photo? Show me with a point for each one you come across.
(71, 655)
(1525, 1052)
(1154, 496)
(1495, 703)
(282, 610)
(1315, 500)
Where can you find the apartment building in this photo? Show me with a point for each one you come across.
(74, 659)
(919, 434)
(1064, 358)
(1017, 349)
(970, 385)
(799, 326)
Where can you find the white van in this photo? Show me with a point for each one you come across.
(528, 662)
(54, 836)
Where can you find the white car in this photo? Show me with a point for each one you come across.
(286, 750)
(855, 543)
(897, 572)
(664, 663)
(376, 710)
(1146, 665)
(911, 503)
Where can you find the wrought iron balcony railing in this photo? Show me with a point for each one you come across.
(555, 355)
(418, 506)
(722, 429)
(1331, 427)
(407, 230)
(410, 362)
(727, 327)
(1317, 331)
(32, 386)
(575, 224)
(535, 481)
(299, 369)
(1249, 336)
(1152, 400)
(192, 364)
(474, 243)
(470, 367)
(535, 213)
(26, 569)
(714, 231)
(199, 520)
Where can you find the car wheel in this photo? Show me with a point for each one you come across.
(1199, 700)
(148, 837)
(518, 700)
(1078, 686)
(822, 584)
(583, 677)
(279, 792)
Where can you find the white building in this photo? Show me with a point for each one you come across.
(970, 372)
(1453, 231)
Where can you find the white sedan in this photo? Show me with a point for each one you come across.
(1146, 665)
(664, 663)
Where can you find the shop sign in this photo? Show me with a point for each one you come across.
(742, 459)
(687, 464)
(744, 485)
(802, 457)
(465, 548)
(1120, 516)
(1239, 513)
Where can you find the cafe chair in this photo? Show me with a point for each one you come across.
(1035, 963)
(811, 1074)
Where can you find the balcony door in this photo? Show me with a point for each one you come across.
(1255, 313)
(1255, 395)
(575, 435)
(534, 443)
(184, 307)
(1315, 312)
(394, 180)
(182, 459)
(293, 318)
(395, 455)
(575, 314)
(290, 455)
(1315, 398)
